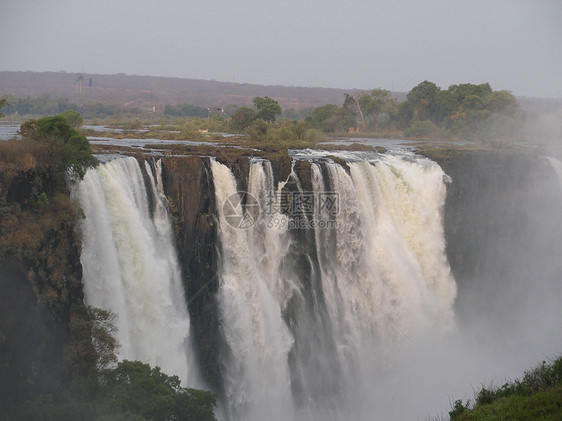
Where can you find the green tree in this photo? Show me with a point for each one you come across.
(73, 118)
(140, 389)
(501, 102)
(267, 108)
(472, 106)
(93, 342)
(372, 108)
(467, 94)
(3, 103)
(103, 336)
(423, 128)
(143, 390)
(196, 405)
(69, 150)
(424, 101)
(242, 118)
(331, 118)
(467, 110)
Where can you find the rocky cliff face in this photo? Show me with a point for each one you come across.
(189, 188)
(188, 185)
(40, 279)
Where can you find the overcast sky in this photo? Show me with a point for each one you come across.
(514, 45)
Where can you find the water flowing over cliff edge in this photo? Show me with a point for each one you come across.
(130, 264)
(307, 293)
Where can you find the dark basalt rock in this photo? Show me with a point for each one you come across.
(189, 188)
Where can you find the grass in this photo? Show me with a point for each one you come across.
(546, 405)
(536, 396)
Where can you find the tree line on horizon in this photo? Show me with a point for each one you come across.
(465, 111)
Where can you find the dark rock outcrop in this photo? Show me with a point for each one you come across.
(189, 188)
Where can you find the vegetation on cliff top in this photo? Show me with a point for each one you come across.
(39, 255)
(536, 396)
(68, 149)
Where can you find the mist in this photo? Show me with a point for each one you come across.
(508, 307)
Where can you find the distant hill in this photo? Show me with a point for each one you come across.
(149, 91)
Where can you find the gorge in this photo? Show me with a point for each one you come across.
(324, 285)
(324, 290)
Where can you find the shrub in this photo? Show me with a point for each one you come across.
(314, 136)
(459, 409)
(258, 130)
(242, 118)
(423, 128)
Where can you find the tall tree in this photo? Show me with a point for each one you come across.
(331, 118)
(3, 103)
(424, 101)
(267, 108)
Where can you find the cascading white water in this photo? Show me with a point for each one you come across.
(401, 203)
(130, 265)
(319, 321)
(255, 365)
(311, 327)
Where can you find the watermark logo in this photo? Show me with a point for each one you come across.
(241, 211)
(290, 210)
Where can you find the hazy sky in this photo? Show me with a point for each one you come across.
(514, 45)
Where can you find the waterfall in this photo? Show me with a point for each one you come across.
(130, 265)
(255, 364)
(314, 312)
(328, 299)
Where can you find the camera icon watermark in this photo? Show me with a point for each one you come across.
(289, 210)
(241, 211)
